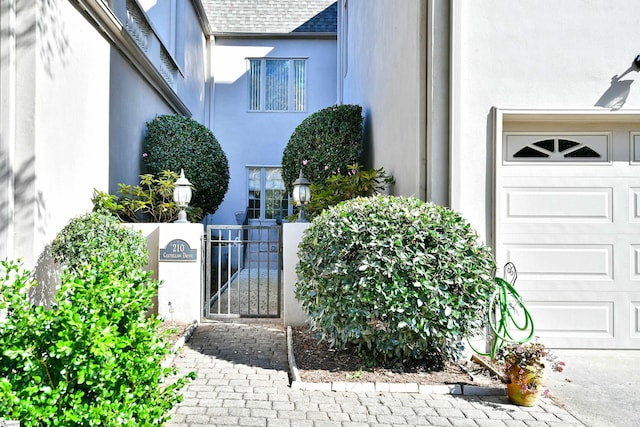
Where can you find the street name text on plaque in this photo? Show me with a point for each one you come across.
(178, 250)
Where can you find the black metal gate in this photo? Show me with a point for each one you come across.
(243, 271)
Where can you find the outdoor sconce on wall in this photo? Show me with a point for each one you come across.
(301, 195)
(182, 196)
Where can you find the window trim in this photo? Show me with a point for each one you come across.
(263, 183)
(290, 82)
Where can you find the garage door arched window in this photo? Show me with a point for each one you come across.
(534, 148)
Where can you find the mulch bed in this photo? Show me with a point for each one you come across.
(317, 362)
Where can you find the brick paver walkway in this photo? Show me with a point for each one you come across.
(243, 381)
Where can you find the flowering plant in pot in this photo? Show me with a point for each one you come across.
(524, 369)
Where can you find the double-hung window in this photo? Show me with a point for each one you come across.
(267, 198)
(277, 84)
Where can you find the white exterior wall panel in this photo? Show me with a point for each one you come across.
(566, 226)
(134, 101)
(73, 113)
(382, 72)
(62, 124)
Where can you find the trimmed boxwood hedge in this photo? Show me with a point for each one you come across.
(327, 141)
(175, 142)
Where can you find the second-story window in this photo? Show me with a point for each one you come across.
(277, 84)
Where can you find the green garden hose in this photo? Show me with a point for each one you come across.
(503, 305)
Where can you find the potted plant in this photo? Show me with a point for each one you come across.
(524, 369)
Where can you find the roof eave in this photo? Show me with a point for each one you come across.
(202, 16)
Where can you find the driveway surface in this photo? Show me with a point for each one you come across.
(599, 387)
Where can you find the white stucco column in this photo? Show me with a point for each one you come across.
(176, 260)
(293, 314)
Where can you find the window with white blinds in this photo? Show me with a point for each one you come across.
(277, 84)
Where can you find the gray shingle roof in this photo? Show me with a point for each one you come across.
(272, 16)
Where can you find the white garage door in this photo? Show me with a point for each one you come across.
(568, 217)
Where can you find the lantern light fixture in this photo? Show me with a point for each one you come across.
(301, 195)
(182, 196)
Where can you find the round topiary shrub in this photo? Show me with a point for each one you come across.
(325, 142)
(402, 280)
(175, 142)
(98, 239)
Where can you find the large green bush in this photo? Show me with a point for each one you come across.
(175, 142)
(95, 238)
(325, 142)
(91, 359)
(402, 280)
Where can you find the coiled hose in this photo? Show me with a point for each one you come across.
(504, 305)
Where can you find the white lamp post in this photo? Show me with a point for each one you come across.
(301, 195)
(182, 196)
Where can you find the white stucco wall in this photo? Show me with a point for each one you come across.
(62, 133)
(381, 71)
(134, 102)
(259, 138)
(529, 54)
(192, 61)
(73, 117)
(178, 298)
(292, 233)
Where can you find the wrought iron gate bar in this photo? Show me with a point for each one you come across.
(246, 261)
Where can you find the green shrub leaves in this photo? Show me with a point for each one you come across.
(355, 182)
(94, 357)
(96, 238)
(151, 201)
(403, 280)
(175, 142)
(325, 142)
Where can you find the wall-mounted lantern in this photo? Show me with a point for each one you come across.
(301, 195)
(182, 196)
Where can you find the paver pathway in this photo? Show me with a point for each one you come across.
(252, 291)
(243, 381)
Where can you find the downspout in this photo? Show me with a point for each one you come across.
(454, 61)
(423, 149)
(210, 86)
(341, 41)
(437, 49)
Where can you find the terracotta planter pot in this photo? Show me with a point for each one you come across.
(516, 388)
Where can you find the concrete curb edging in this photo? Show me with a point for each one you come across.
(179, 344)
(453, 389)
